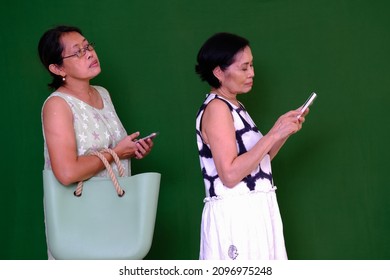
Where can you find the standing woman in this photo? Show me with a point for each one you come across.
(78, 118)
(241, 218)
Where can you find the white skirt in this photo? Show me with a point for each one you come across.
(242, 227)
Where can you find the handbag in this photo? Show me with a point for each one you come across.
(93, 220)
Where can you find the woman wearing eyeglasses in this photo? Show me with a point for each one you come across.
(77, 117)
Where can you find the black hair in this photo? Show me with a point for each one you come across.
(219, 50)
(50, 50)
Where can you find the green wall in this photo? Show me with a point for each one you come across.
(332, 177)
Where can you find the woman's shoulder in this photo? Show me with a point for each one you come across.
(56, 99)
(217, 109)
(56, 104)
(218, 103)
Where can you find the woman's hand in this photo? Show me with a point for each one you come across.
(288, 124)
(285, 126)
(144, 148)
(129, 147)
(303, 115)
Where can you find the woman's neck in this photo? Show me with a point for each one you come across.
(226, 95)
(80, 90)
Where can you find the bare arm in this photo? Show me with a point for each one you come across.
(219, 132)
(60, 137)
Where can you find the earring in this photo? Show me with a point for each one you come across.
(63, 79)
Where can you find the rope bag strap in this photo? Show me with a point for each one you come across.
(119, 190)
(118, 163)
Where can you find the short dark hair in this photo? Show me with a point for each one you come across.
(50, 50)
(218, 50)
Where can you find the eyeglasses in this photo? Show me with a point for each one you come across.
(81, 52)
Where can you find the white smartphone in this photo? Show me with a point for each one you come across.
(150, 136)
(308, 102)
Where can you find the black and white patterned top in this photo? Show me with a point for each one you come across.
(247, 135)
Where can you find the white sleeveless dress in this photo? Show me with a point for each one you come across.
(243, 222)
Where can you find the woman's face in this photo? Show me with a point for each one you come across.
(238, 77)
(85, 67)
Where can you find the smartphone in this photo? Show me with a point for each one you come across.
(150, 136)
(308, 102)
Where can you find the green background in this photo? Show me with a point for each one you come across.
(332, 177)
